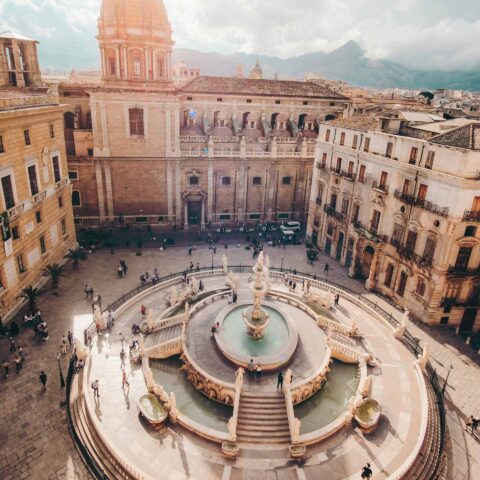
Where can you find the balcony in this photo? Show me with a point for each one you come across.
(331, 212)
(421, 203)
(471, 216)
(380, 187)
(38, 198)
(370, 233)
(453, 302)
(61, 184)
(460, 270)
(343, 173)
(409, 255)
(15, 211)
(321, 166)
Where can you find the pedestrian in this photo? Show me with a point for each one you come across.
(87, 291)
(189, 249)
(64, 345)
(367, 471)
(469, 422)
(13, 347)
(294, 286)
(197, 268)
(326, 269)
(6, 368)
(214, 248)
(70, 338)
(124, 379)
(111, 317)
(20, 352)
(250, 368)
(337, 298)
(258, 371)
(143, 310)
(201, 286)
(280, 380)
(18, 363)
(96, 394)
(43, 379)
(475, 422)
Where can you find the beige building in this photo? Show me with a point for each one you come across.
(35, 201)
(216, 150)
(403, 212)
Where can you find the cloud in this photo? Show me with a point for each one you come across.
(424, 34)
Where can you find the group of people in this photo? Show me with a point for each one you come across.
(17, 361)
(472, 422)
(122, 268)
(254, 370)
(145, 278)
(312, 255)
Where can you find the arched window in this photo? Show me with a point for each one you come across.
(76, 198)
(160, 66)
(136, 121)
(111, 63)
(429, 251)
(330, 229)
(389, 275)
(421, 287)
(136, 62)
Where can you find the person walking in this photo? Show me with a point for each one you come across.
(18, 363)
(250, 368)
(13, 347)
(95, 385)
(326, 269)
(258, 371)
(124, 379)
(337, 299)
(43, 379)
(367, 471)
(469, 422)
(6, 368)
(64, 345)
(70, 338)
(143, 310)
(87, 291)
(280, 381)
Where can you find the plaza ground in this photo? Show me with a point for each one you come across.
(34, 438)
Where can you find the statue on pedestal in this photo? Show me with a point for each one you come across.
(225, 264)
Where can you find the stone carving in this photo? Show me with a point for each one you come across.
(319, 298)
(98, 318)
(367, 386)
(225, 264)
(353, 405)
(194, 285)
(172, 298)
(423, 358)
(302, 392)
(233, 281)
(400, 330)
(239, 375)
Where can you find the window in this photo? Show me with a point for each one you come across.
(356, 213)
(257, 180)
(60, 202)
(444, 321)
(411, 241)
(141, 220)
(470, 231)
(383, 180)
(286, 180)
(361, 173)
(52, 131)
(90, 152)
(249, 100)
(189, 98)
(136, 121)
(20, 264)
(397, 236)
(350, 167)
(345, 206)
(26, 135)
(8, 192)
(76, 199)
(32, 178)
(277, 102)
(305, 103)
(161, 219)
(389, 275)
(327, 136)
(225, 217)
(316, 221)
(333, 201)
(43, 247)
(330, 229)
(355, 142)
(56, 169)
(72, 175)
(2, 148)
(376, 220)
(160, 64)
(429, 160)
(15, 234)
(339, 165)
(402, 284)
(421, 287)
(429, 251)
(366, 147)
(194, 180)
(219, 99)
(342, 138)
(463, 258)
(112, 66)
(389, 151)
(137, 67)
(324, 159)
(38, 216)
(406, 187)
(422, 192)
(283, 216)
(413, 156)
(225, 180)
(254, 216)
(63, 226)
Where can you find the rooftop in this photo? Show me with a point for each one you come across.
(15, 35)
(443, 127)
(363, 123)
(467, 137)
(270, 88)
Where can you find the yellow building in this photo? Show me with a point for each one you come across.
(36, 216)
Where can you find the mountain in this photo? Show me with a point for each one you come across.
(348, 63)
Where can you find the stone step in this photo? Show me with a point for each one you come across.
(274, 429)
(266, 401)
(262, 416)
(246, 394)
(261, 421)
(263, 409)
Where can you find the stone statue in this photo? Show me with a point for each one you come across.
(233, 281)
(187, 311)
(423, 358)
(354, 331)
(141, 345)
(194, 285)
(98, 317)
(288, 378)
(150, 382)
(239, 374)
(367, 386)
(401, 329)
(173, 297)
(260, 261)
(150, 321)
(225, 264)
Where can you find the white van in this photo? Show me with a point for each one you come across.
(290, 226)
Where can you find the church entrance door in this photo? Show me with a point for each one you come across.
(194, 212)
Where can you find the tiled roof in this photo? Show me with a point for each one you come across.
(363, 123)
(18, 36)
(463, 137)
(248, 86)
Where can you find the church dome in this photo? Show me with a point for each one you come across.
(134, 18)
(256, 72)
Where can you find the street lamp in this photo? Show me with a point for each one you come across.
(212, 259)
(446, 380)
(62, 380)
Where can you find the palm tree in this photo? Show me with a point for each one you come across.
(75, 256)
(31, 294)
(54, 271)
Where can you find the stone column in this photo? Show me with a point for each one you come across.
(117, 63)
(108, 185)
(168, 133)
(125, 64)
(178, 199)
(185, 224)
(202, 220)
(104, 65)
(210, 191)
(169, 191)
(101, 204)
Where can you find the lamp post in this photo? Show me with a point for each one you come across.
(122, 339)
(281, 266)
(62, 380)
(446, 380)
(212, 259)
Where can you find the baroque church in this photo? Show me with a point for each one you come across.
(216, 150)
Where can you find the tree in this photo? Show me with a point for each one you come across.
(428, 95)
(76, 255)
(31, 294)
(54, 271)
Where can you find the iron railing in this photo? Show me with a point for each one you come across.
(331, 212)
(380, 186)
(471, 216)
(371, 233)
(421, 203)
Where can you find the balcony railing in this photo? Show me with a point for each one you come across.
(39, 198)
(321, 166)
(335, 170)
(370, 233)
(380, 186)
(343, 173)
(61, 184)
(331, 212)
(421, 203)
(471, 216)
(16, 211)
(453, 302)
(464, 271)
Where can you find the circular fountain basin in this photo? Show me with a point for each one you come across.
(368, 415)
(272, 351)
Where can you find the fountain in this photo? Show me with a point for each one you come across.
(256, 318)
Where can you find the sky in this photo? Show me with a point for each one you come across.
(418, 34)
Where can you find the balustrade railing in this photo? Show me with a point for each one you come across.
(371, 233)
(471, 216)
(421, 203)
(62, 183)
(380, 186)
(331, 212)
(16, 211)
(39, 197)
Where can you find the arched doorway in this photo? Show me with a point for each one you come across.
(367, 260)
(68, 127)
(341, 239)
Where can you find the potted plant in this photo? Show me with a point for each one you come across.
(31, 294)
(54, 271)
(76, 255)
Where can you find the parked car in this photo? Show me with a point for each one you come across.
(290, 226)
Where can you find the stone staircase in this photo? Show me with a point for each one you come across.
(164, 335)
(262, 418)
(91, 441)
(429, 456)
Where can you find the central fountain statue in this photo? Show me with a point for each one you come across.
(255, 317)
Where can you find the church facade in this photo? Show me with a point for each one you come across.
(213, 151)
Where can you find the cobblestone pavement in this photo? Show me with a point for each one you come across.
(34, 438)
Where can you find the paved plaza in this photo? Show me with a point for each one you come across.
(34, 438)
